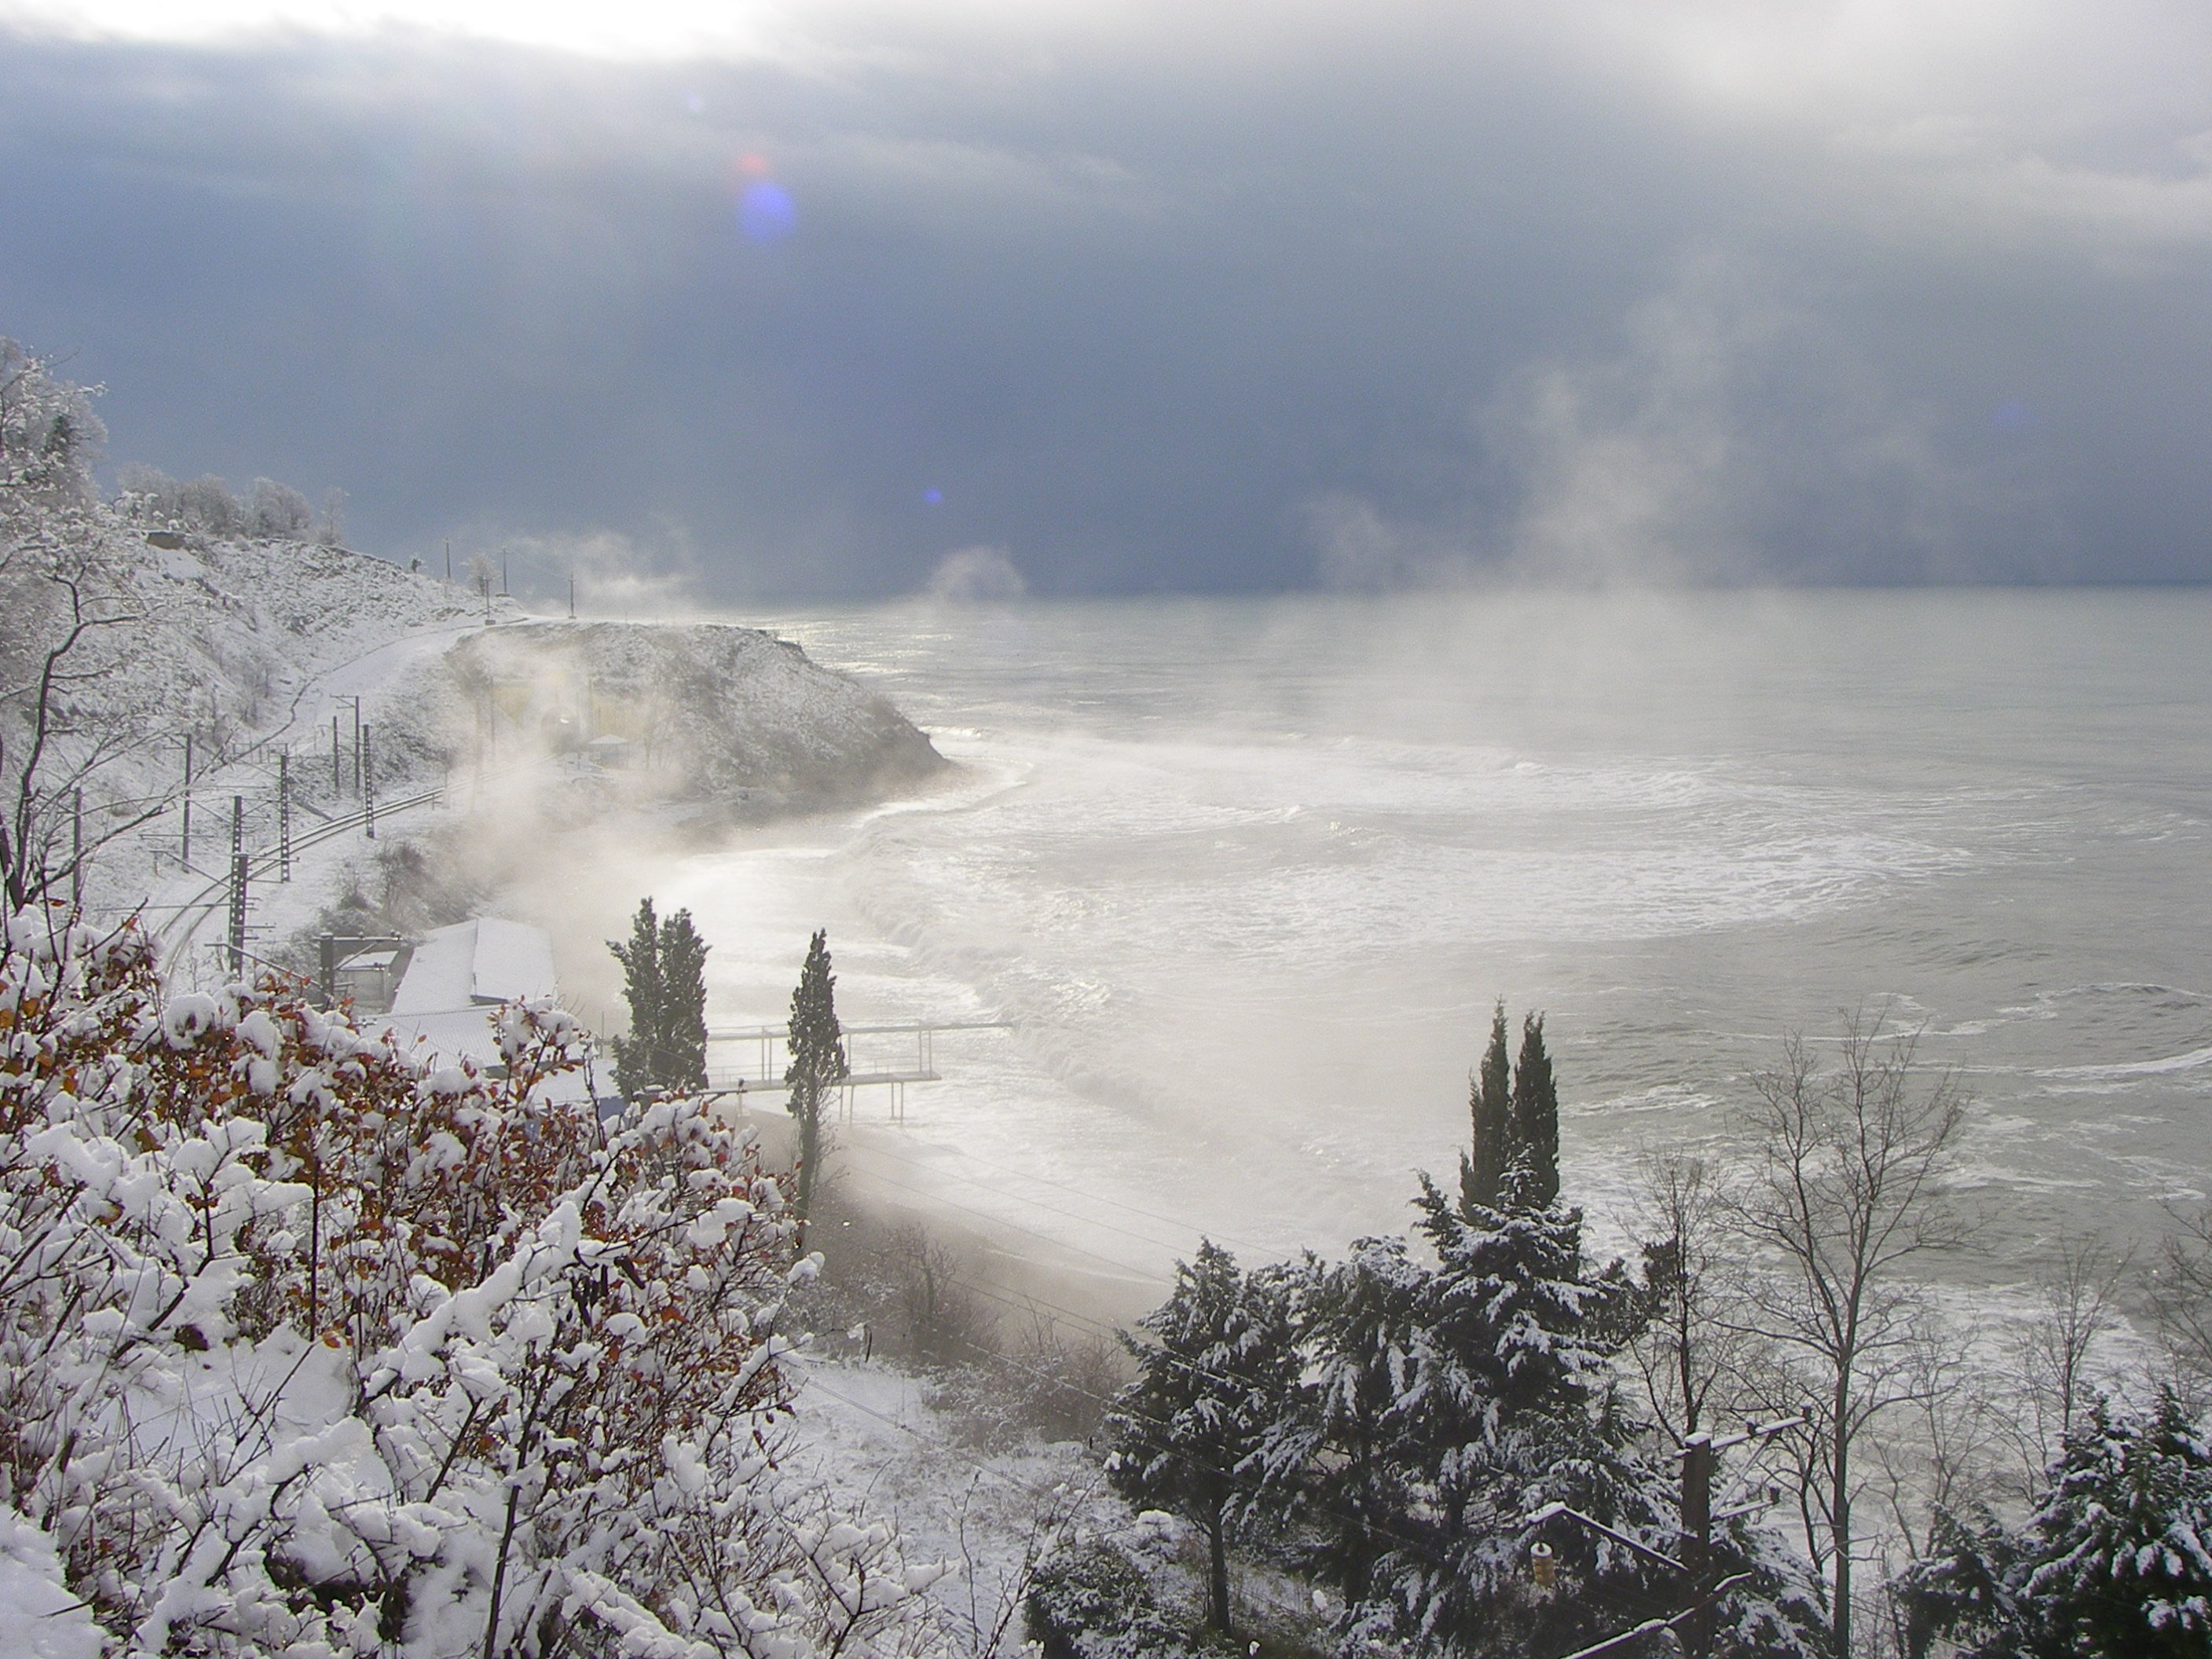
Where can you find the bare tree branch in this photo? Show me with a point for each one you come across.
(1846, 1191)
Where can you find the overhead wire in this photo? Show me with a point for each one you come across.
(1184, 1455)
(967, 1157)
(1050, 1209)
(1029, 1301)
(1144, 1273)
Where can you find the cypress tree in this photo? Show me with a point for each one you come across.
(1482, 1178)
(637, 1055)
(818, 1059)
(681, 1060)
(1535, 1184)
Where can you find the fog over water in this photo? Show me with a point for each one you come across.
(1251, 874)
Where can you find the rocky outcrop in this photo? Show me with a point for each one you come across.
(729, 721)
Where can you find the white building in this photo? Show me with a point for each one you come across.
(455, 981)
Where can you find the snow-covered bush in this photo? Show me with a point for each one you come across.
(1094, 1602)
(305, 1348)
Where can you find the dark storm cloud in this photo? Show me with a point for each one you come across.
(1161, 307)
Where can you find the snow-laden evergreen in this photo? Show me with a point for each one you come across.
(1212, 1382)
(1438, 1406)
(2115, 1561)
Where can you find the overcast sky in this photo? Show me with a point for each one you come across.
(1214, 298)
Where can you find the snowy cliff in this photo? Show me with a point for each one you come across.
(705, 715)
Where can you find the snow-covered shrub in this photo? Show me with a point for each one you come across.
(1094, 1602)
(307, 1348)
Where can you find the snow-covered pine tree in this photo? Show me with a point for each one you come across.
(1509, 1321)
(681, 1060)
(1489, 1103)
(2116, 1561)
(1215, 1377)
(1434, 1402)
(817, 1059)
(637, 1056)
(1329, 1461)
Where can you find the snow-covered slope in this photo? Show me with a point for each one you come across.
(258, 649)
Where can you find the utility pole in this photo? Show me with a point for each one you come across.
(185, 853)
(1698, 1542)
(505, 591)
(77, 855)
(1701, 1593)
(367, 785)
(237, 885)
(572, 596)
(356, 748)
(285, 815)
(238, 915)
(449, 558)
(337, 778)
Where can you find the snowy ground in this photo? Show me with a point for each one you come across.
(868, 1435)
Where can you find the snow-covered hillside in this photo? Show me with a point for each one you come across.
(725, 718)
(266, 656)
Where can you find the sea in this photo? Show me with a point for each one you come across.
(1232, 886)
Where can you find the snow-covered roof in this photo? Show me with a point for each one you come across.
(476, 963)
(513, 961)
(442, 973)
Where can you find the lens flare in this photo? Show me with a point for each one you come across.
(765, 212)
(933, 497)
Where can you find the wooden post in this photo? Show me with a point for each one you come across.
(285, 815)
(186, 851)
